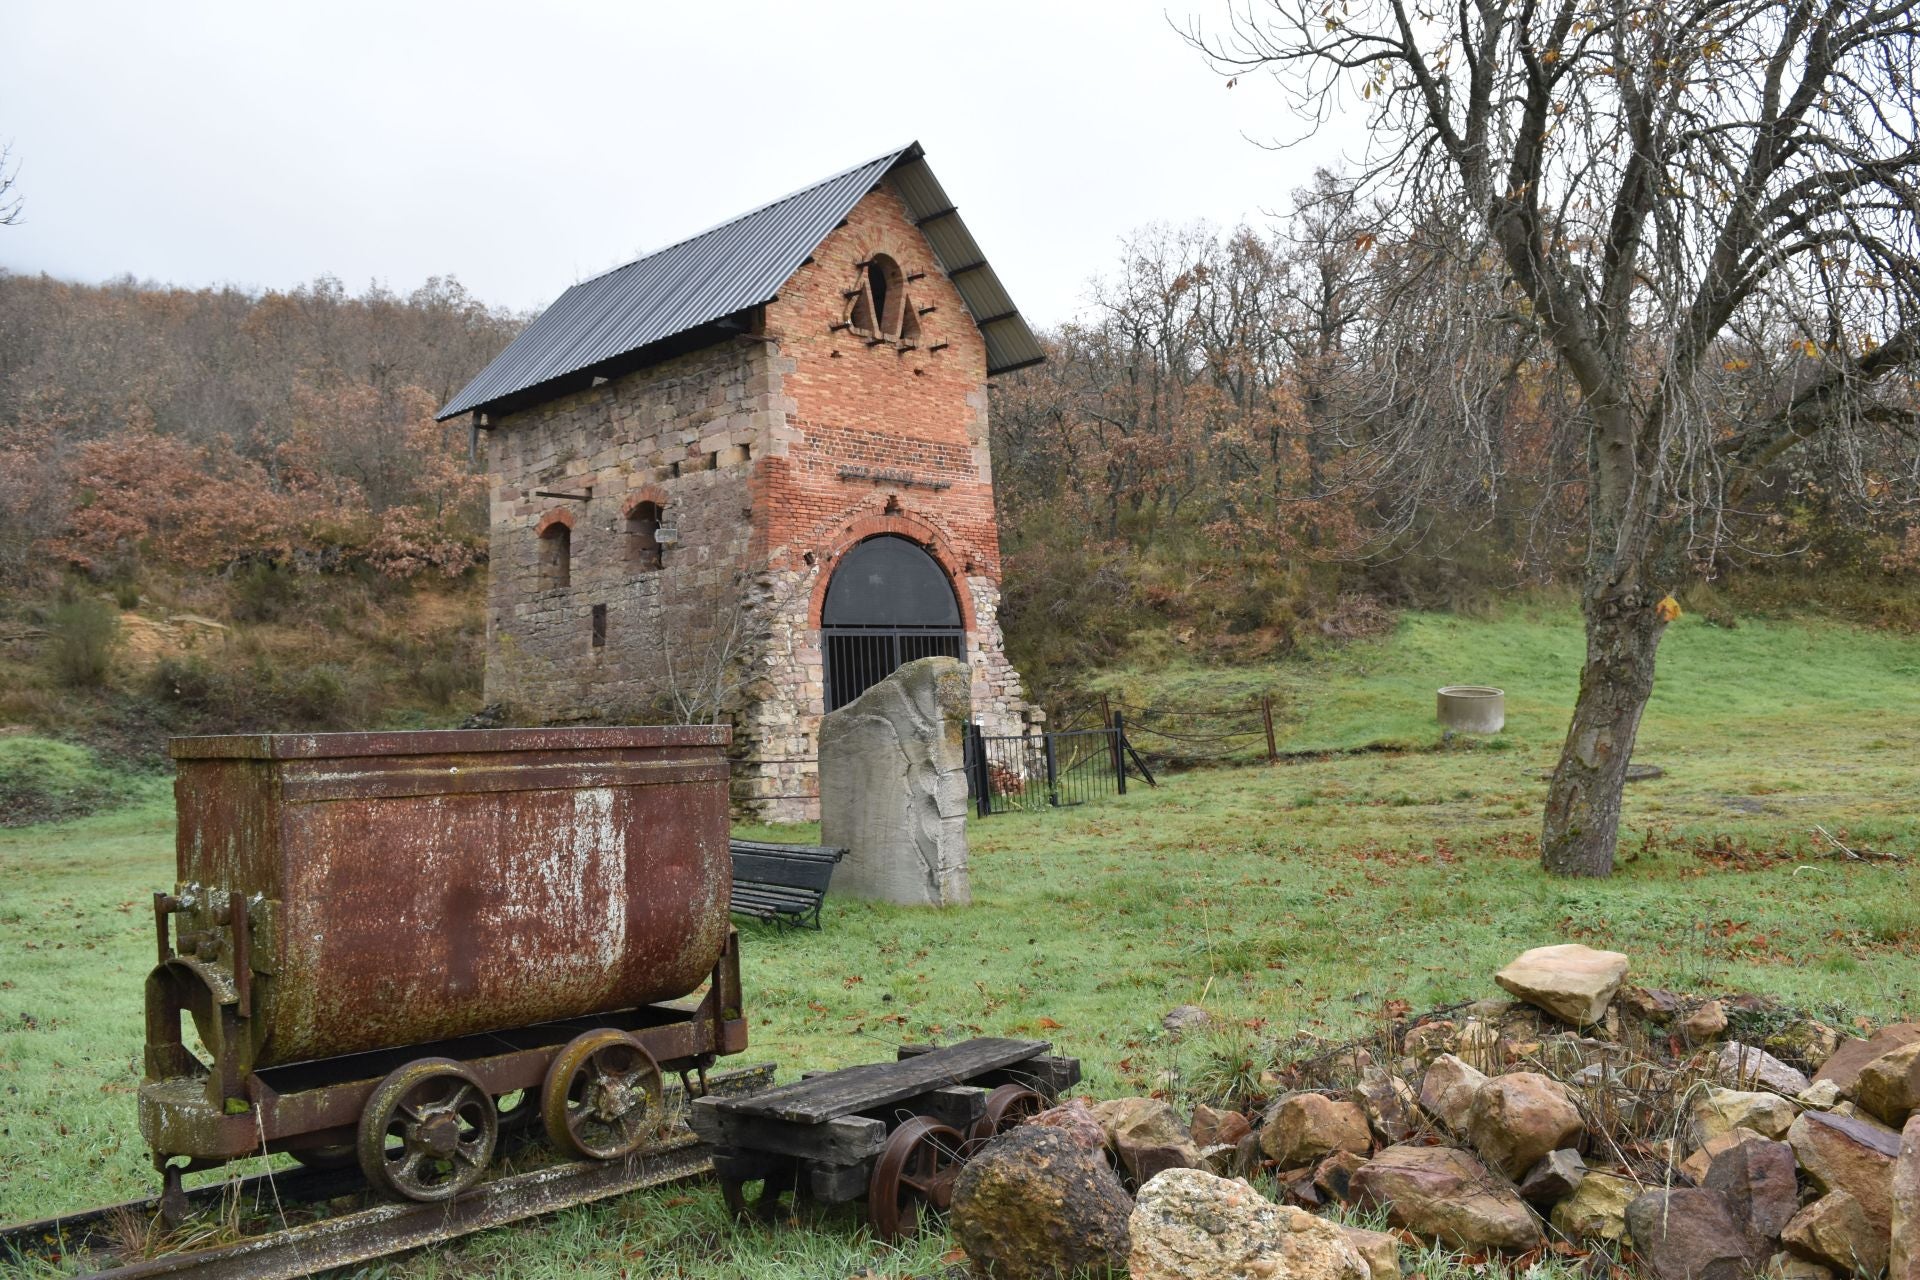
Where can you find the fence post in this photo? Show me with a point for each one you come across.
(1266, 714)
(1053, 772)
(982, 775)
(1116, 729)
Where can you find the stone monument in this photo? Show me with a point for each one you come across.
(893, 787)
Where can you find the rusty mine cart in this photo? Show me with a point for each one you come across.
(393, 946)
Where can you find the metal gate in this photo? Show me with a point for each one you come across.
(860, 657)
(1049, 770)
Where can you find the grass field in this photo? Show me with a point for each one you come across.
(1295, 900)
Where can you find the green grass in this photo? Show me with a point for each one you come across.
(1295, 900)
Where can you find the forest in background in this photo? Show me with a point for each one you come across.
(1195, 470)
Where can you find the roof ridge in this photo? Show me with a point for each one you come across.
(889, 156)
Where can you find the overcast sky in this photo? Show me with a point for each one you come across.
(522, 146)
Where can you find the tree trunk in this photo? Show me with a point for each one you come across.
(1583, 802)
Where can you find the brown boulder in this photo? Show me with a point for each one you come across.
(1843, 1067)
(1696, 1165)
(1302, 1127)
(1448, 1195)
(1380, 1250)
(1572, 982)
(1389, 1104)
(1447, 1089)
(1189, 1225)
(1715, 1111)
(1904, 1262)
(1834, 1232)
(1517, 1118)
(1690, 1233)
(1889, 1086)
(1033, 1204)
(1760, 1183)
(1649, 1004)
(1847, 1153)
(1333, 1177)
(1428, 1040)
(1147, 1135)
(1212, 1126)
(1704, 1023)
(1075, 1119)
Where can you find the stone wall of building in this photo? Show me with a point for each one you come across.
(681, 435)
(772, 457)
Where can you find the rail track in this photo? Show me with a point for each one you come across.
(100, 1240)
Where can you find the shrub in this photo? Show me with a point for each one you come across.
(42, 780)
(84, 634)
(263, 592)
(443, 679)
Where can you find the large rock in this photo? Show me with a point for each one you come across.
(1035, 1205)
(1690, 1233)
(893, 787)
(1189, 1225)
(1834, 1232)
(1696, 1165)
(1760, 1183)
(1597, 1209)
(1380, 1250)
(1211, 1125)
(1847, 1153)
(1302, 1127)
(1843, 1067)
(1075, 1119)
(1704, 1023)
(1448, 1195)
(1517, 1118)
(1147, 1135)
(1904, 1262)
(1715, 1111)
(1572, 982)
(1185, 1019)
(1746, 1067)
(1447, 1090)
(1389, 1103)
(1889, 1086)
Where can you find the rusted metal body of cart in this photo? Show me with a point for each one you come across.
(895, 1133)
(391, 945)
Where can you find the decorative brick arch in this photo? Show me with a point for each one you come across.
(557, 516)
(646, 493)
(915, 530)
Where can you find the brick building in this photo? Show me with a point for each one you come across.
(746, 476)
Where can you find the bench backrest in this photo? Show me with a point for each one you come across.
(803, 871)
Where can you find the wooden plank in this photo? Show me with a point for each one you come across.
(957, 1106)
(1056, 1074)
(843, 1140)
(879, 1084)
(837, 1184)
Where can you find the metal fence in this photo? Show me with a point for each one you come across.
(1039, 771)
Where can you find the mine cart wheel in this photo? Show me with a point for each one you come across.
(428, 1131)
(601, 1098)
(1007, 1106)
(917, 1166)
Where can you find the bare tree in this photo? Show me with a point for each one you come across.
(10, 199)
(1667, 189)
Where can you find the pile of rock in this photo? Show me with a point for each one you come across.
(1588, 1113)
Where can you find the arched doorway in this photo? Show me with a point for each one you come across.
(887, 603)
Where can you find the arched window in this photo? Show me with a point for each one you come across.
(556, 555)
(888, 603)
(881, 309)
(643, 536)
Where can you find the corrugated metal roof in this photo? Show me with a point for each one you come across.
(742, 263)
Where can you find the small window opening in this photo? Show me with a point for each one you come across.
(643, 536)
(877, 283)
(599, 626)
(713, 460)
(556, 556)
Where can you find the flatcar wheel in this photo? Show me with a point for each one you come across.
(1007, 1106)
(428, 1131)
(601, 1098)
(916, 1167)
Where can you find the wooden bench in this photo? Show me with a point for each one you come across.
(783, 882)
